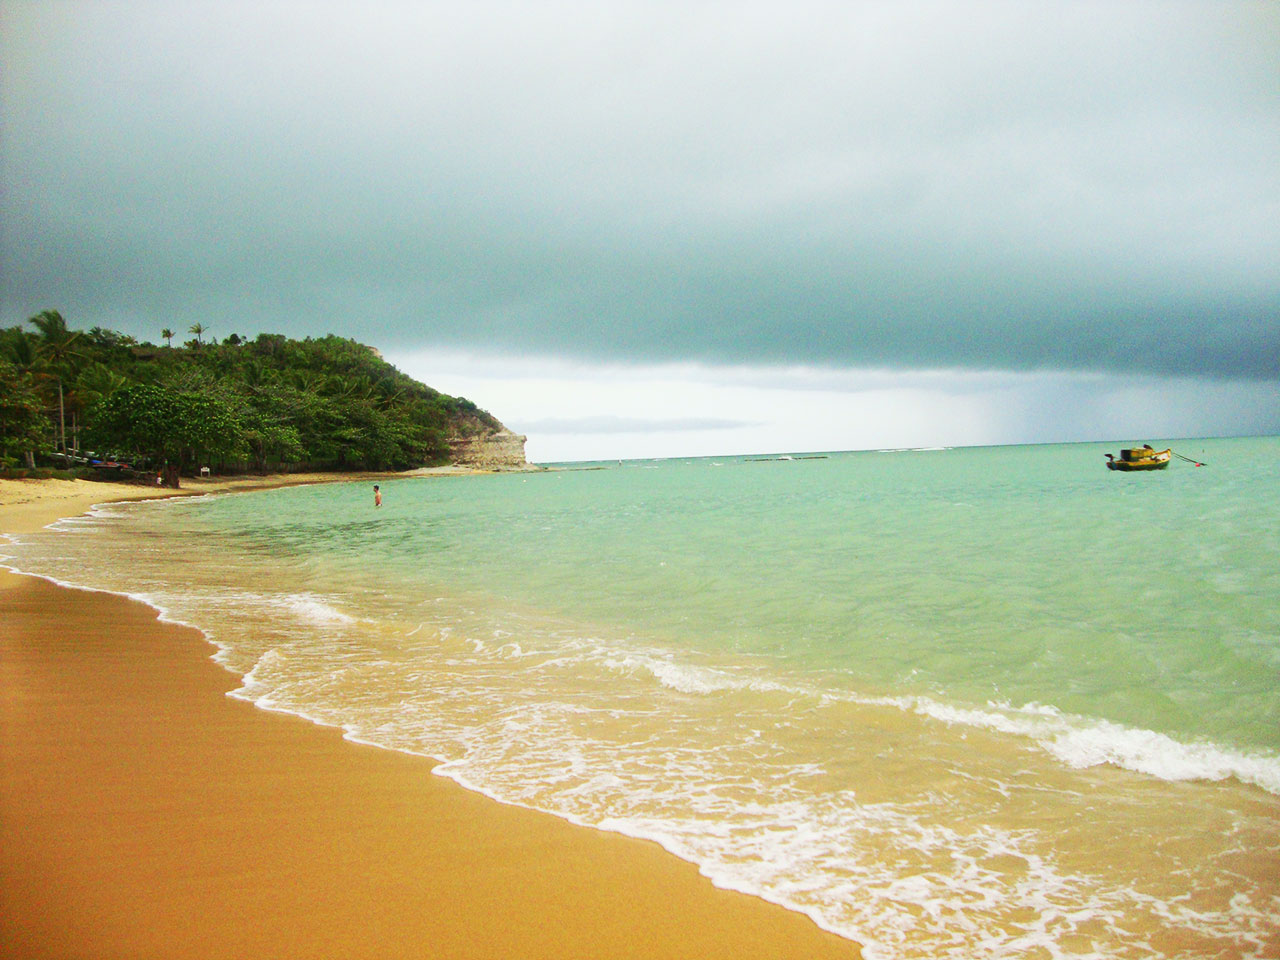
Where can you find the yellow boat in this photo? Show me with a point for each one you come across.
(1140, 458)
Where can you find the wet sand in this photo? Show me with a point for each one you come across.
(145, 814)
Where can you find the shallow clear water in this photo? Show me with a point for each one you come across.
(971, 702)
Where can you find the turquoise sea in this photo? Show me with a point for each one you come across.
(972, 702)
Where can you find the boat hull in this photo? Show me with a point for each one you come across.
(1135, 460)
(1128, 465)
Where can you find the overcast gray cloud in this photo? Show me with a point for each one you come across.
(1074, 186)
(607, 423)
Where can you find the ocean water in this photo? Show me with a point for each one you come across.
(994, 702)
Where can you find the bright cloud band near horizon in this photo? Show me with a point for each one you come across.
(575, 411)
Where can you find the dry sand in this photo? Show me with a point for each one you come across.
(144, 814)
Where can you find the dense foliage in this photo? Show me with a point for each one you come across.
(22, 419)
(270, 403)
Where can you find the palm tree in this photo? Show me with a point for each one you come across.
(98, 381)
(168, 335)
(24, 354)
(308, 381)
(58, 350)
(392, 397)
(198, 329)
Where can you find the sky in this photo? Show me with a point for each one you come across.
(670, 229)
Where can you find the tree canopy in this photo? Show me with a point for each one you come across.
(236, 405)
(167, 426)
(23, 425)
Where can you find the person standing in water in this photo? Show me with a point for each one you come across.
(377, 496)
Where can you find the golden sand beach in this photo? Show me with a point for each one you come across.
(145, 814)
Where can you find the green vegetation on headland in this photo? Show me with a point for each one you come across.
(267, 404)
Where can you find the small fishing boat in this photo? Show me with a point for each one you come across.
(1140, 458)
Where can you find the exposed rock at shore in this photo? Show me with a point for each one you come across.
(501, 450)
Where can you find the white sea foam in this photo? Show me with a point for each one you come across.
(313, 609)
(1161, 756)
(1078, 742)
(688, 679)
(305, 608)
(819, 856)
(1082, 742)
(814, 854)
(255, 684)
(693, 679)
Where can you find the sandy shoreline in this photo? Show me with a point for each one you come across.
(27, 505)
(145, 814)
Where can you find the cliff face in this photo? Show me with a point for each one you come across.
(502, 450)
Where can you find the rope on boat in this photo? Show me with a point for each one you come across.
(1188, 459)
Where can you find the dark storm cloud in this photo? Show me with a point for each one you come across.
(991, 186)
